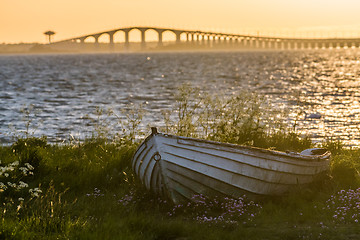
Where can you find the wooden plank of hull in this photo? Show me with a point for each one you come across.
(263, 175)
(137, 154)
(242, 182)
(186, 183)
(156, 182)
(143, 163)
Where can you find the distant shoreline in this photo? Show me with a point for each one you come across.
(103, 48)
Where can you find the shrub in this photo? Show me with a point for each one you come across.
(344, 171)
(28, 150)
(244, 118)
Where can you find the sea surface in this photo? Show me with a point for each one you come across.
(58, 95)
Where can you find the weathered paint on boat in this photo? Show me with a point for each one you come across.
(180, 167)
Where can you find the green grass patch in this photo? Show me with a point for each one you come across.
(88, 191)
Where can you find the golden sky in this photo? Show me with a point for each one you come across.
(26, 20)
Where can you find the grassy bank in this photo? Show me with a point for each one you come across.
(87, 189)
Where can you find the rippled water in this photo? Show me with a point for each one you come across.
(64, 89)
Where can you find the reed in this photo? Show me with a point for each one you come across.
(244, 118)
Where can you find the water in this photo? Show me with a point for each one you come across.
(320, 88)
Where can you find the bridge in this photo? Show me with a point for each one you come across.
(207, 39)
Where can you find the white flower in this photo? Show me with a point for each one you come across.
(35, 192)
(3, 186)
(29, 166)
(14, 164)
(22, 185)
(11, 184)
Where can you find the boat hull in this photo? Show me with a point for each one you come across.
(180, 167)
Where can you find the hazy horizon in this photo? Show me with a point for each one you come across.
(25, 21)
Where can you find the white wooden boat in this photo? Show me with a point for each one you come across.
(180, 167)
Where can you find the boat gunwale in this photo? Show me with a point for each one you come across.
(297, 156)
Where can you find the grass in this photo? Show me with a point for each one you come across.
(90, 192)
(87, 190)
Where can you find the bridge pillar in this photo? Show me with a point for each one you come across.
(219, 40)
(301, 45)
(257, 43)
(278, 45)
(143, 41)
(230, 41)
(160, 42)
(239, 42)
(250, 42)
(127, 42)
(178, 35)
(96, 41)
(111, 41)
(305, 45)
(203, 39)
(214, 39)
(260, 43)
(224, 41)
(288, 45)
(246, 42)
(209, 40)
(312, 45)
(197, 38)
(111, 38)
(236, 42)
(160, 37)
(193, 38)
(292, 45)
(271, 44)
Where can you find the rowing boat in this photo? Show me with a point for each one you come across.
(181, 167)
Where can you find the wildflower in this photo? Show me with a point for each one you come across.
(206, 210)
(3, 186)
(22, 185)
(35, 192)
(14, 164)
(11, 184)
(29, 166)
(345, 205)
